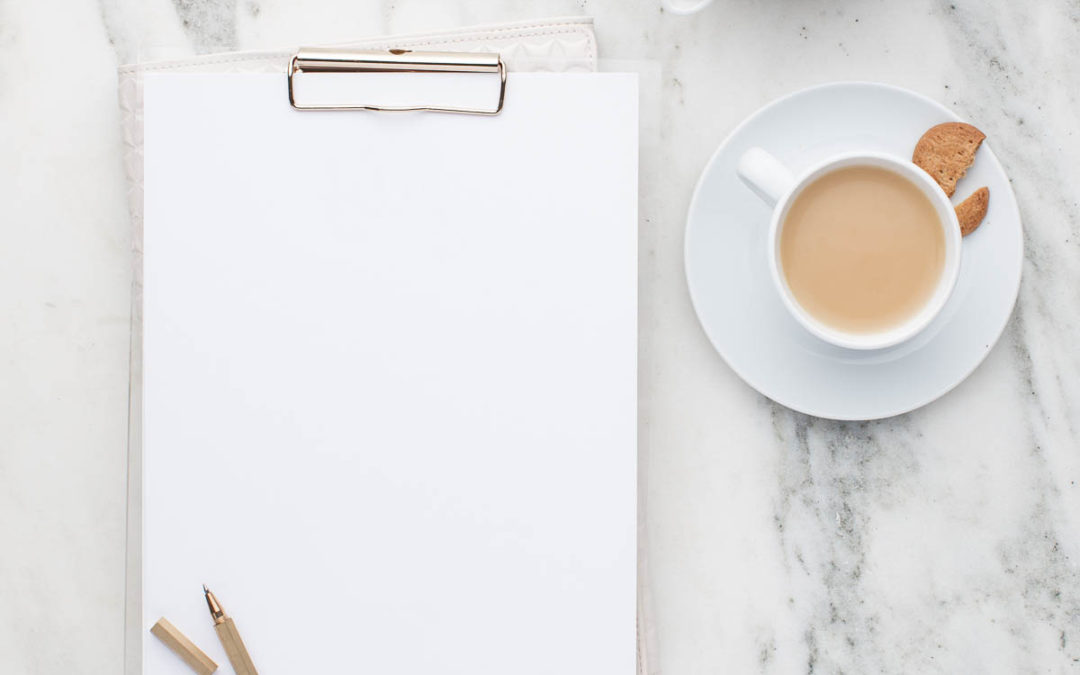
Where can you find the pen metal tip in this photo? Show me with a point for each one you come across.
(205, 589)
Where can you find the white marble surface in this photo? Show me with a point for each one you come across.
(946, 540)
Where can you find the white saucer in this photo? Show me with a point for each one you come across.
(741, 311)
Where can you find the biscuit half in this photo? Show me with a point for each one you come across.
(972, 210)
(946, 151)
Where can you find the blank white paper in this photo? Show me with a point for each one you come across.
(390, 378)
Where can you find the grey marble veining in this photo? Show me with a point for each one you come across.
(946, 540)
(210, 26)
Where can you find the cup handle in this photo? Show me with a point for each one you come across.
(765, 175)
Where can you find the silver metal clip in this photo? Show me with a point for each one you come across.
(333, 60)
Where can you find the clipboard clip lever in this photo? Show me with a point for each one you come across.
(337, 60)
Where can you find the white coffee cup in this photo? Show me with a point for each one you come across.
(778, 187)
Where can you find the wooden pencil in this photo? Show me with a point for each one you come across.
(230, 637)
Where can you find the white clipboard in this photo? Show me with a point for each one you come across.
(136, 632)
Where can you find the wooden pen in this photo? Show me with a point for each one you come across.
(230, 638)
